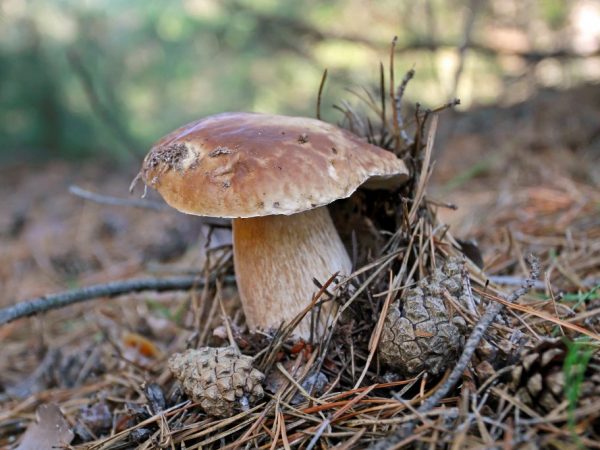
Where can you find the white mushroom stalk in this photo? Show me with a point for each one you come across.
(274, 175)
(276, 259)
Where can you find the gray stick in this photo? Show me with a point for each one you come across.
(113, 289)
(116, 201)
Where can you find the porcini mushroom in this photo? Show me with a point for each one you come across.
(273, 175)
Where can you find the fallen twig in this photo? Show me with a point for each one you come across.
(116, 201)
(140, 203)
(400, 121)
(492, 310)
(511, 280)
(542, 315)
(113, 289)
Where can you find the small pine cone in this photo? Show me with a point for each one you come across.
(221, 379)
(538, 380)
(418, 332)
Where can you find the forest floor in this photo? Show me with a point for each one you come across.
(524, 178)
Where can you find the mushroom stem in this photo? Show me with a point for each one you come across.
(277, 257)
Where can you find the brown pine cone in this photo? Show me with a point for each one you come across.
(538, 380)
(222, 380)
(418, 332)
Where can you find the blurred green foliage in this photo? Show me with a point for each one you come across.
(107, 77)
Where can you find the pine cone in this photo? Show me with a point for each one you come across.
(221, 379)
(418, 332)
(538, 380)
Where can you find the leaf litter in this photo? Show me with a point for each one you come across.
(110, 378)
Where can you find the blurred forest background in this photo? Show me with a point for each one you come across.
(86, 87)
(106, 78)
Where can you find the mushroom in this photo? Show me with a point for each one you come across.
(273, 175)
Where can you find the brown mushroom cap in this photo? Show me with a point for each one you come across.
(246, 165)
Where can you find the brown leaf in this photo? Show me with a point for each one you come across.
(140, 344)
(51, 430)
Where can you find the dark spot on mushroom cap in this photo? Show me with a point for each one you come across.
(169, 156)
(303, 138)
(220, 150)
(276, 204)
(334, 150)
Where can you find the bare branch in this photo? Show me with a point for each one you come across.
(116, 201)
(393, 95)
(113, 289)
(474, 8)
(308, 31)
(532, 56)
(214, 222)
(401, 89)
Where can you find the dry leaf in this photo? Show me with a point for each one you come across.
(141, 345)
(50, 431)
